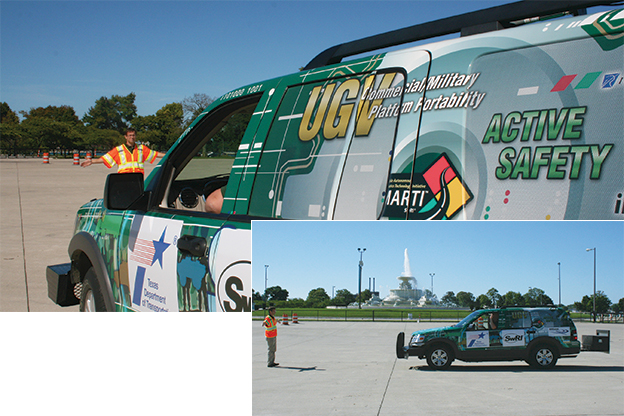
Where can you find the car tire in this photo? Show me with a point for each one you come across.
(543, 357)
(400, 352)
(439, 357)
(91, 297)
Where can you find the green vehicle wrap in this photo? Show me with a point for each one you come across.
(521, 124)
(505, 334)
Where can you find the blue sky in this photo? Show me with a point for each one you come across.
(74, 52)
(465, 256)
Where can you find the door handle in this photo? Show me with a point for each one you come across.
(195, 246)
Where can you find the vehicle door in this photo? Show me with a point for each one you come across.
(478, 338)
(513, 327)
(549, 323)
(183, 254)
(327, 154)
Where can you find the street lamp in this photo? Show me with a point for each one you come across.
(360, 265)
(594, 250)
(266, 267)
(559, 264)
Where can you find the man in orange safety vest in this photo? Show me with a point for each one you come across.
(129, 157)
(270, 323)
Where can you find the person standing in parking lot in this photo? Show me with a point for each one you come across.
(270, 323)
(128, 156)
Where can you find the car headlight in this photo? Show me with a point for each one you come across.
(417, 340)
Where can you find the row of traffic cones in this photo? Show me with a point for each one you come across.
(295, 319)
(46, 158)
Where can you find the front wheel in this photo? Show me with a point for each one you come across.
(543, 357)
(439, 357)
(91, 297)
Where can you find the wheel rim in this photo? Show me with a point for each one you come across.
(439, 358)
(89, 304)
(544, 356)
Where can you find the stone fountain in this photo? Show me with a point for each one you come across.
(408, 292)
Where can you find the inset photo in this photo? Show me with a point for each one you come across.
(348, 315)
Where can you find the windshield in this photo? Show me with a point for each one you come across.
(467, 319)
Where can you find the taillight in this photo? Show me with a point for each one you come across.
(574, 335)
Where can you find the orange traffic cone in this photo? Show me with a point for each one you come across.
(285, 320)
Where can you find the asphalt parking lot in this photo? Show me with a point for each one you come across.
(350, 368)
(38, 204)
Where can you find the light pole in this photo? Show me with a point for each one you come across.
(594, 250)
(266, 267)
(360, 265)
(559, 264)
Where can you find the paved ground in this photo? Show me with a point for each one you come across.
(38, 203)
(343, 368)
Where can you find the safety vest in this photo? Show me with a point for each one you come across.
(271, 327)
(129, 162)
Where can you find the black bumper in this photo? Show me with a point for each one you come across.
(403, 351)
(60, 287)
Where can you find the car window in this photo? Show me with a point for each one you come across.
(202, 166)
(549, 318)
(487, 320)
(515, 320)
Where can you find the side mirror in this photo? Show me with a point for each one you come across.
(122, 189)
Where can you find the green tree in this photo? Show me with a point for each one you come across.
(296, 303)
(449, 299)
(483, 301)
(466, 300)
(160, 131)
(95, 139)
(229, 138)
(536, 297)
(52, 127)
(364, 296)
(343, 298)
(494, 297)
(275, 293)
(115, 113)
(317, 298)
(194, 105)
(7, 115)
(603, 303)
(62, 114)
(512, 299)
(11, 133)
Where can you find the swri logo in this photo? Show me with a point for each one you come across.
(513, 338)
(609, 80)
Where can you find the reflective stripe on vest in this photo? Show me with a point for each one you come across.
(127, 162)
(271, 327)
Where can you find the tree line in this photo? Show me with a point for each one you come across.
(58, 129)
(318, 298)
